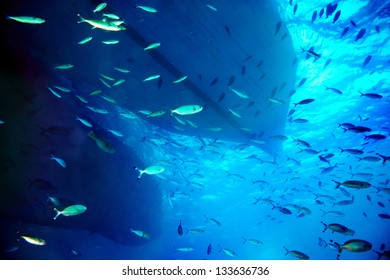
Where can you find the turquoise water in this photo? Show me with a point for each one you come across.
(224, 192)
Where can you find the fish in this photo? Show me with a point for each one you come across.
(31, 239)
(335, 90)
(56, 94)
(211, 7)
(322, 243)
(213, 221)
(336, 16)
(110, 42)
(338, 228)
(118, 82)
(150, 170)
(27, 19)
(297, 254)
(214, 81)
(276, 101)
(239, 93)
(252, 241)
(180, 229)
(227, 251)
(283, 210)
(152, 77)
(122, 70)
(101, 143)
(100, 7)
(209, 249)
(353, 184)
(115, 132)
(187, 110)
(302, 82)
(64, 66)
(381, 204)
(243, 70)
(179, 80)
(111, 16)
(63, 89)
(97, 110)
(59, 161)
(100, 24)
(366, 61)
(344, 202)
(375, 137)
(147, 9)
(227, 29)
(277, 27)
(384, 216)
(321, 13)
(345, 31)
(304, 102)
(295, 8)
(311, 53)
(333, 213)
(247, 58)
(360, 34)
(352, 151)
(72, 210)
(371, 95)
(353, 245)
(84, 41)
(185, 249)
(140, 233)
(152, 46)
(313, 16)
(235, 113)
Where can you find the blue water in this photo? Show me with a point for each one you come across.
(207, 180)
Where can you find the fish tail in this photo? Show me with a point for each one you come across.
(244, 239)
(206, 219)
(337, 184)
(324, 226)
(81, 18)
(303, 50)
(324, 213)
(339, 253)
(58, 213)
(342, 150)
(287, 250)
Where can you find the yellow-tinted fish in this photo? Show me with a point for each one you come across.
(72, 210)
(32, 239)
(151, 170)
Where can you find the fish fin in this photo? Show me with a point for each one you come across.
(81, 18)
(337, 184)
(244, 239)
(287, 250)
(58, 213)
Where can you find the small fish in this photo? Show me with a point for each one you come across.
(276, 101)
(122, 70)
(101, 24)
(147, 9)
(119, 82)
(381, 204)
(360, 34)
(179, 80)
(252, 241)
(101, 143)
(371, 95)
(59, 161)
(213, 221)
(100, 7)
(151, 170)
(27, 19)
(353, 23)
(228, 252)
(111, 16)
(304, 102)
(277, 27)
(295, 8)
(321, 13)
(354, 245)
(82, 99)
(302, 82)
(84, 122)
(366, 61)
(185, 249)
(140, 233)
(72, 210)
(31, 239)
(335, 90)
(243, 70)
(353, 184)
(64, 66)
(56, 94)
(214, 81)
(314, 16)
(336, 16)
(227, 29)
(110, 42)
(239, 93)
(115, 132)
(152, 46)
(211, 8)
(84, 41)
(297, 254)
(180, 229)
(384, 216)
(209, 249)
(150, 78)
(187, 110)
(345, 31)
(375, 137)
(235, 113)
